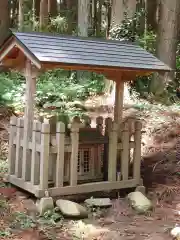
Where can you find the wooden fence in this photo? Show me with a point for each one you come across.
(40, 162)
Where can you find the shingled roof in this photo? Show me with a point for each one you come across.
(47, 48)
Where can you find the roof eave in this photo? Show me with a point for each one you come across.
(12, 42)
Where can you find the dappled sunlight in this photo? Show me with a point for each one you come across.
(84, 230)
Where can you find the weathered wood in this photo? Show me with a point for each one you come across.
(74, 154)
(12, 147)
(88, 188)
(108, 128)
(137, 152)
(118, 108)
(125, 152)
(35, 165)
(99, 158)
(99, 123)
(19, 182)
(44, 158)
(28, 120)
(112, 156)
(60, 137)
(19, 136)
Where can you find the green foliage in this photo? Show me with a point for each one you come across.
(11, 85)
(5, 233)
(51, 217)
(58, 92)
(22, 221)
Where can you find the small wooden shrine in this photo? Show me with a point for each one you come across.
(62, 164)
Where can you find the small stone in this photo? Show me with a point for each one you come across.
(71, 209)
(141, 189)
(98, 202)
(139, 202)
(44, 204)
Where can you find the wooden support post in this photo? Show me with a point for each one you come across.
(137, 152)
(112, 157)
(118, 108)
(60, 138)
(108, 129)
(35, 166)
(44, 158)
(28, 119)
(125, 152)
(12, 147)
(19, 136)
(74, 154)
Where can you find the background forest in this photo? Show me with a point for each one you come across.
(153, 24)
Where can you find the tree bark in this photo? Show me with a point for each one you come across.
(37, 8)
(167, 39)
(117, 14)
(151, 9)
(4, 20)
(83, 17)
(21, 15)
(99, 18)
(130, 8)
(43, 14)
(53, 8)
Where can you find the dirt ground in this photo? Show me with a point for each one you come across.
(161, 175)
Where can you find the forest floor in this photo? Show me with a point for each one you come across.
(160, 172)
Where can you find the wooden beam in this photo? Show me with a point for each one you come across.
(28, 118)
(88, 188)
(108, 71)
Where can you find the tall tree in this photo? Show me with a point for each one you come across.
(130, 7)
(167, 38)
(43, 14)
(117, 14)
(83, 17)
(4, 19)
(21, 15)
(52, 8)
(151, 10)
(37, 8)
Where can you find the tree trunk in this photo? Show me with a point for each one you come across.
(13, 9)
(21, 15)
(83, 17)
(141, 5)
(151, 9)
(130, 8)
(167, 40)
(53, 8)
(43, 14)
(37, 8)
(99, 18)
(117, 14)
(83, 27)
(4, 20)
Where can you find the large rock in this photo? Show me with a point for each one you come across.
(139, 202)
(71, 209)
(45, 204)
(175, 232)
(98, 202)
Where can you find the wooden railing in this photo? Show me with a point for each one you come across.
(36, 162)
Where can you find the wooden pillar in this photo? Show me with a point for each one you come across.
(118, 108)
(28, 118)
